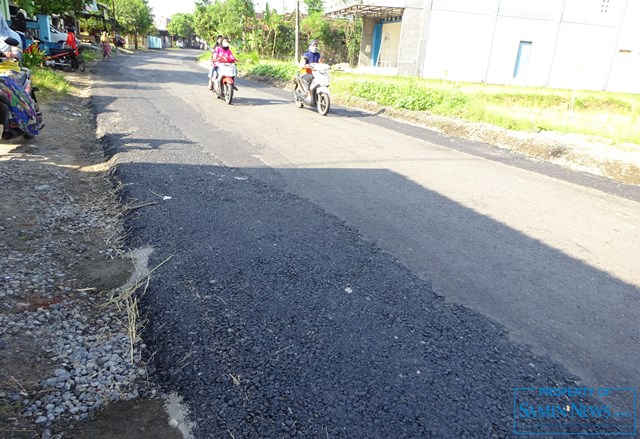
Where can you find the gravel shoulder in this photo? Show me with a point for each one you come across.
(65, 353)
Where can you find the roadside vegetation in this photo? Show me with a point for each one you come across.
(49, 82)
(613, 116)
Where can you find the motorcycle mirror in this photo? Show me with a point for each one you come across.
(12, 41)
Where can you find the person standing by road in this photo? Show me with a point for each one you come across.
(106, 46)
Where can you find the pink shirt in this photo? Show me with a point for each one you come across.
(223, 55)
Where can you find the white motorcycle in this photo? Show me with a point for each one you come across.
(224, 83)
(320, 96)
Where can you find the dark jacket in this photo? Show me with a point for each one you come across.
(311, 57)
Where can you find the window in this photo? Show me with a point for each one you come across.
(522, 59)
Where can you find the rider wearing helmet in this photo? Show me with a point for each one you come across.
(310, 56)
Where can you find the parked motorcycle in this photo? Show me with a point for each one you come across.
(224, 82)
(19, 111)
(119, 42)
(66, 59)
(320, 96)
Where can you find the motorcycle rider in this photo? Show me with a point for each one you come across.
(214, 68)
(222, 54)
(72, 41)
(310, 56)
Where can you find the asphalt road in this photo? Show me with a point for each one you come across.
(350, 276)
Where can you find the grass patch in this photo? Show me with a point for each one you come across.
(50, 82)
(204, 56)
(275, 69)
(613, 116)
(90, 55)
(10, 409)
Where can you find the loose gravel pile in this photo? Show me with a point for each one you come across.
(65, 354)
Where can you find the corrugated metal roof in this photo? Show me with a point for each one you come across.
(361, 10)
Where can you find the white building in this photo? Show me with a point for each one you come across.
(587, 44)
(161, 23)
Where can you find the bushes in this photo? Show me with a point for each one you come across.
(32, 57)
(248, 58)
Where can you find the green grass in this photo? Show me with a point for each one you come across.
(275, 69)
(614, 116)
(90, 55)
(204, 56)
(50, 82)
(249, 62)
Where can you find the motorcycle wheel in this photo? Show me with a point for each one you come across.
(81, 64)
(67, 65)
(324, 103)
(228, 93)
(296, 99)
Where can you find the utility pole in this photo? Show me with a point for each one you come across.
(113, 10)
(297, 31)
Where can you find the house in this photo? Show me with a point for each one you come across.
(586, 44)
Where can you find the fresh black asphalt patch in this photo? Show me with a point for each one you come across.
(273, 319)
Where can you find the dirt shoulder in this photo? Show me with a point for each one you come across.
(67, 361)
(593, 155)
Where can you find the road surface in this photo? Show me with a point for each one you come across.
(350, 276)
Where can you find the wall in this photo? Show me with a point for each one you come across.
(366, 45)
(588, 44)
(625, 69)
(410, 36)
(457, 47)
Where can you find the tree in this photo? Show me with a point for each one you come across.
(231, 18)
(315, 26)
(206, 20)
(237, 16)
(314, 6)
(134, 17)
(56, 6)
(181, 25)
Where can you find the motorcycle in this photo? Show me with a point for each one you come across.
(320, 96)
(224, 81)
(21, 116)
(66, 59)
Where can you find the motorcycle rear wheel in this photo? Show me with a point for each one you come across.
(67, 64)
(297, 99)
(228, 93)
(324, 103)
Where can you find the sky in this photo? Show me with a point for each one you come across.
(166, 8)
